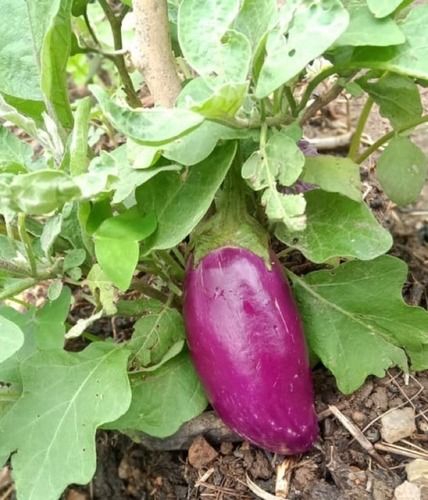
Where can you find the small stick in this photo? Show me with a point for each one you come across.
(283, 476)
(400, 450)
(358, 435)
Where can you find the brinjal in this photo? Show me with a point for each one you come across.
(245, 336)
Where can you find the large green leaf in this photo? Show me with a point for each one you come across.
(382, 8)
(51, 428)
(128, 225)
(148, 126)
(333, 174)
(337, 227)
(410, 58)
(356, 320)
(34, 47)
(163, 399)
(11, 338)
(158, 335)
(365, 29)
(180, 201)
(208, 44)
(402, 170)
(255, 18)
(15, 155)
(308, 30)
(397, 96)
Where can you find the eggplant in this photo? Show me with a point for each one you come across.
(247, 344)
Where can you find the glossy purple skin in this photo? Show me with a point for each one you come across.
(248, 348)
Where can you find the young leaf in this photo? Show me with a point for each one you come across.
(102, 288)
(289, 209)
(15, 155)
(51, 230)
(148, 126)
(337, 227)
(333, 174)
(157, 334)
(223, 103)
(73, 258)
(79, 138)
(382, 8)
(255, 18)
(66, 397)
(356, 320)
(397, 96)
(365, 29)
(42, 191)
(11, 338)
(180, 202)
(402, 170)
(410, 58)
(310, 29)
(208, 44)
(163, 399)
(110, 254)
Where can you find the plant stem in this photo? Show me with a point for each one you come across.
(118, 59)
(172, 264)
(356, 138)
(27, 244)
(179, 257)
(313, 84)
(149, 291)
(13, 268)
(90, 29)
(385, 138)
(291, 101)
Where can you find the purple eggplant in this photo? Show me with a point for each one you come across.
(248, 347)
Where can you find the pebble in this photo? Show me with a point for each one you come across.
(201, 453)
(407, 491)
(417, 472)
(358, 417)
(380, 398)
(398, 424)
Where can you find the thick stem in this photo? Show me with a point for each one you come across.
(154, 56)
(291, 101)
(22, 231)
(356, 138)
(385, 138)
(118, 59)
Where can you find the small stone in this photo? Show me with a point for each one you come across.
(398, 424)
(417, 472)
(407, 491)
(358, 417)
(201, 453)
(423, 425)
(380, 398)
(76, 495)
(226, 448)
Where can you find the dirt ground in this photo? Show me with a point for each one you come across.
(340, 466)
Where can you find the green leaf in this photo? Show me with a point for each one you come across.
(51, 230)
(410, 58)
(365, 29)
(163, 399)
(110, 254)
(148, 126)
(128, 225)
(15, 155)
(34, 47)
(397, 96)
(42, 192)
(180, 201)
(102, 288)
(402, 170)
(158, 335)
(418, 358)
(140, 156)
(288, 209)
(356, 320)
(73, 258)
(66, 397)
(224, 102)
(382, 8)
(55, 289)
(256, 18)
(337, 227)
(333, 174)
(208, 44)
(11, 338)
(309, 29)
